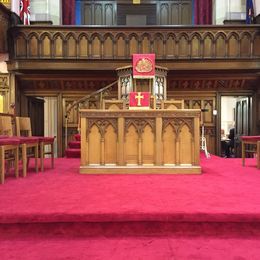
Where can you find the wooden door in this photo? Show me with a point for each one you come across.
(242, 125)
(36, 113)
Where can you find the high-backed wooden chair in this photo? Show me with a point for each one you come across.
(172, 104)
(23, 128)
(26, 143)
(8, 146)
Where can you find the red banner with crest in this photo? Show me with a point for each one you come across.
(144, 65)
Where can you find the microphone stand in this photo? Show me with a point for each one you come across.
(203, 145)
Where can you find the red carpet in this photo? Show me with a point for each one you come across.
(60, 214)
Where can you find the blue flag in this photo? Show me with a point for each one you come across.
(249, 11)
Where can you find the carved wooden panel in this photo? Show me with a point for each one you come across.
(174, 12)
(99, 13)
(141, 138)
(73, 116)
(112, 43)
(208, 104)
(71, 46)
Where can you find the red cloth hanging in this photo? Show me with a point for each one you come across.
(68, 12)
(203, 11)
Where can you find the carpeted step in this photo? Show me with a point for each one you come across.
(72, 153)
(77, 137)
(136, 240)
(74, 144)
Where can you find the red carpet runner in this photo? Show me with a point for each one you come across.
(60, 214)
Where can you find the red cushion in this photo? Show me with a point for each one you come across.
(4, 136)
(46, 139)
(77, 137)
(28, 140)
(9, 141)
(251, 138)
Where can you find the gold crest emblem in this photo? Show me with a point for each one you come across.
(144, 65)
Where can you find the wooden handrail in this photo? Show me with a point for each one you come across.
(81, 100)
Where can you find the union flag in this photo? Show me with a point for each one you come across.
(25, 11)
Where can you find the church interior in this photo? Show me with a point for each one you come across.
(130, 129)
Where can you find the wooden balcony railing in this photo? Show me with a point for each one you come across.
(169, 43)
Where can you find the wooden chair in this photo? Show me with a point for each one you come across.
(8, 146)
(25, 143)
(114, 104)
(253, 141)
(23, 128)
(172, 104)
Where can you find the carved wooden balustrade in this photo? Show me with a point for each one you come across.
(119, 43)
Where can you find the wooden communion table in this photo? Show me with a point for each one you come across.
(145, 141)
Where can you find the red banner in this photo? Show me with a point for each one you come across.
(139, 100)
(143, 65)
(25, 11)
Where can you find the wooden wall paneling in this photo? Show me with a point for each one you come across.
(168, 151)
(94, 145)
(209, 105)
(109, 14)
(131, 145)
(133, 44)
(245, 45)
(83, 46)
(164, 14)
(121, 47)
(110, 145)
(183, 46)
(233, 46)
(175, 14)
(46, 46)
(21, 45)
(96, 46)
(208, 46)
(34, 46)
(185, 10)
(71, 46)
(167, 44)
(145, 44)
(98, 14)
(159, 46)
(195, 46)
(197, 100)
(87, 14)
(108, 48)
(185, 142)
(148, 151)
(72, 119)
(256, 45)
(170, 47)
(220, 45)
(59, 43)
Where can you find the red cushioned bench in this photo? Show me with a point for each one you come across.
(254, 140)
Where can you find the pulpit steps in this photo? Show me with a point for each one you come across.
(73, 150)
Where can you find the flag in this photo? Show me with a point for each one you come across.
(249, 11)
(25, 11)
